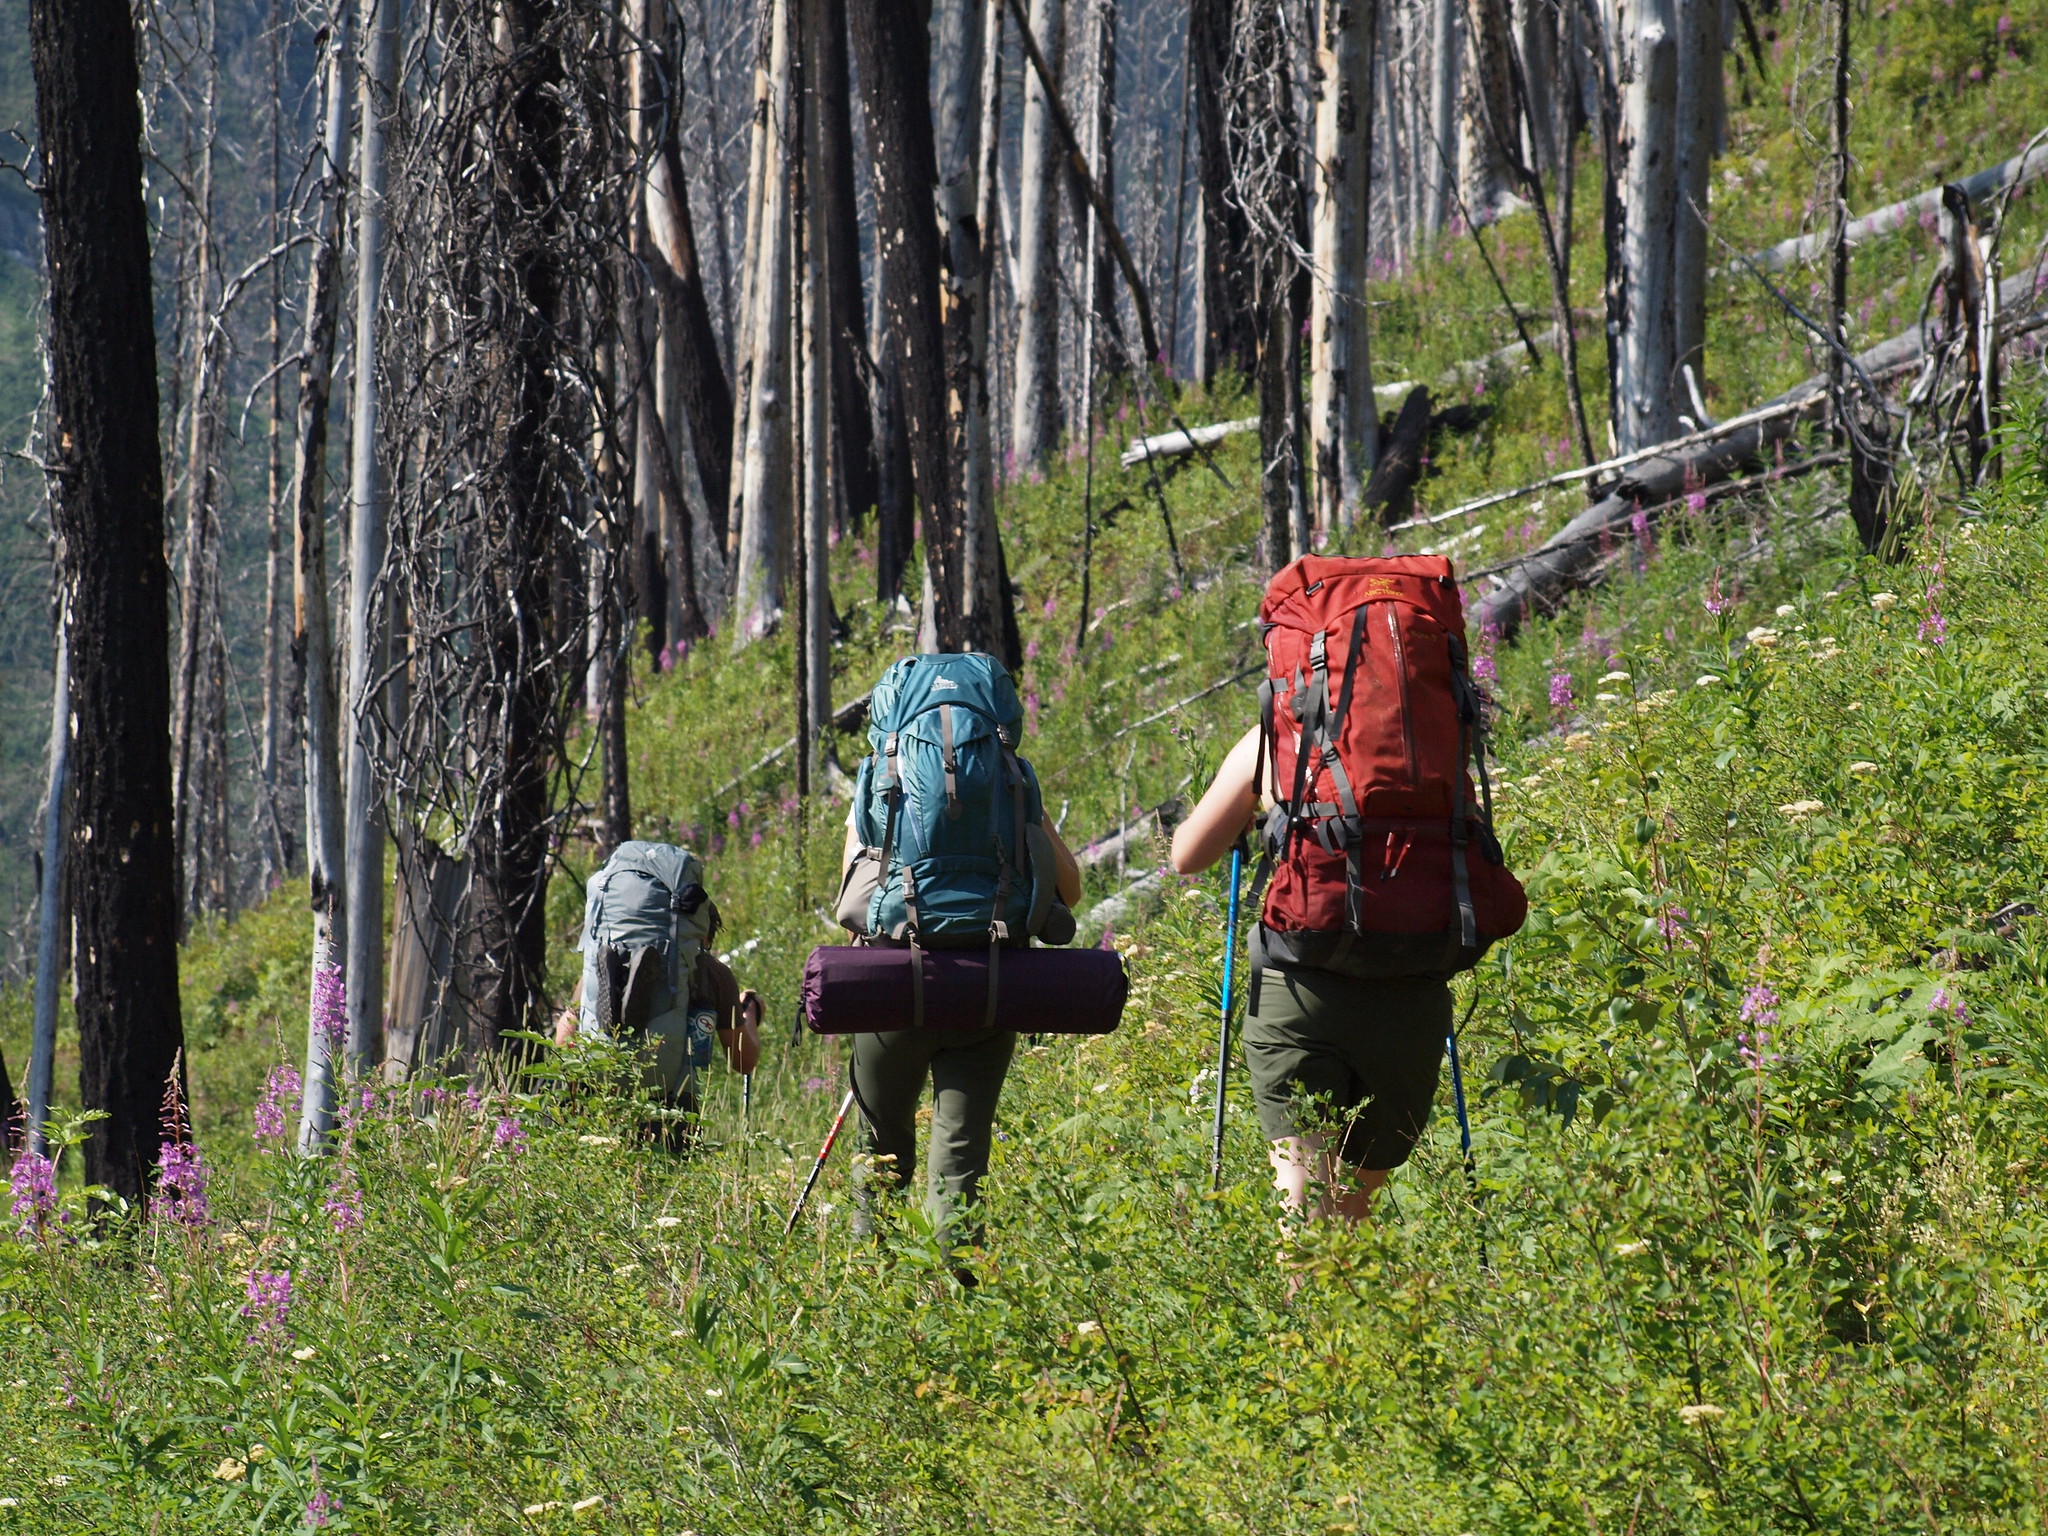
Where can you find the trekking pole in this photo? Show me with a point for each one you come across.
(1464, 1130)
(818, 1167)
(1223, 1034)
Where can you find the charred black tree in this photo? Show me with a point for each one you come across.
(892, 51)
(106, 493)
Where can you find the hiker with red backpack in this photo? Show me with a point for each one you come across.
(1381, 874)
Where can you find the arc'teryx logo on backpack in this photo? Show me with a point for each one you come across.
(944, 682)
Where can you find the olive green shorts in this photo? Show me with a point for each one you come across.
(1332, 1054)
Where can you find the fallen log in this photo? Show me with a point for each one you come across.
(844, 718)
(1170, 445)
(1540, 580)
(2029, 165)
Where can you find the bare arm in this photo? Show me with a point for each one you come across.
(1066, 873)
(565, 1021)
(743, 1045)
(1225, 811)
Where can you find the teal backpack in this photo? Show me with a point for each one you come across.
(953, 846)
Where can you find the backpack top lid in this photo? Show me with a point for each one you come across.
(629, 902)
(1307, 594)
(968, 680)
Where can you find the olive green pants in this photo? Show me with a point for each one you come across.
(1331, 1053)
(966, 1069)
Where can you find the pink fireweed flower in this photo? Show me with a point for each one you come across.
(1560, 691)
(1672, 926)
(322, 1506)
(1755, 1050)
(34, 1183)
(1948, 1004)
(268, 1306)
(1484, 672)
(181, 1181)
(330, 1007)
(1760, 1007)
(509, 1136)
(1933, 628)
(278, 1105)
(344, 1204)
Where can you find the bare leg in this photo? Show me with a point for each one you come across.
(1301, 1161)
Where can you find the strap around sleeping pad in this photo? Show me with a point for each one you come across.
(1461, 881)
(1351, 841)
(998, 930)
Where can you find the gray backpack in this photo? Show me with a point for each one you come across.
(645, 921)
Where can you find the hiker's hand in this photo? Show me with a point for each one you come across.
(743, 1045)
(565, 1027)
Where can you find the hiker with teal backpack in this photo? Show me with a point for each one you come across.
(651, 981)
(1380, 871)
(947, 847)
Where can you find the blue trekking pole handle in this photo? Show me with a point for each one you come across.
(1465, 1137)
(1223, 1035)
(1458, 1096)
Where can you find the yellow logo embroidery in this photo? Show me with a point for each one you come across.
(1382, 586)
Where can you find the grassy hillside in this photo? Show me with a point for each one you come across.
(1753, 1241)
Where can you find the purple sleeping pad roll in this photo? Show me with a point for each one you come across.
(858, 989)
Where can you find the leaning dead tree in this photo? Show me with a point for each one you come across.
(502, 439)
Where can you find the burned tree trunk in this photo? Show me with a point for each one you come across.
(1698, 124)
(106, 496)
(853, 439)
(504, 950)
(1344, 419)
(1228, 332)
(1034, 396)
(892, 52)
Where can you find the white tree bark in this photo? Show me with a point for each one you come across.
(814, 381)
(367, 511)
(759, 136)
(1699, 124)
(1034, 399)
(1646, 372)
(1438, 143)
(1343, 419)
(313, 629)
(761, 510)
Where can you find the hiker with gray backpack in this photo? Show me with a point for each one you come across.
(947, 850)
(651, 981)
(1380, 871)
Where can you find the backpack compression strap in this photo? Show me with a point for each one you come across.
(894, 791)
(952, 762)
(1468, 714)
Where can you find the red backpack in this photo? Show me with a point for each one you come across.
(1382, 862)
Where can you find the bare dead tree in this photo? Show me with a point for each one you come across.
(1266, 185)
(510, 210)
(312, 628)
(891, 50)
(1227, 330)
(106, 500)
